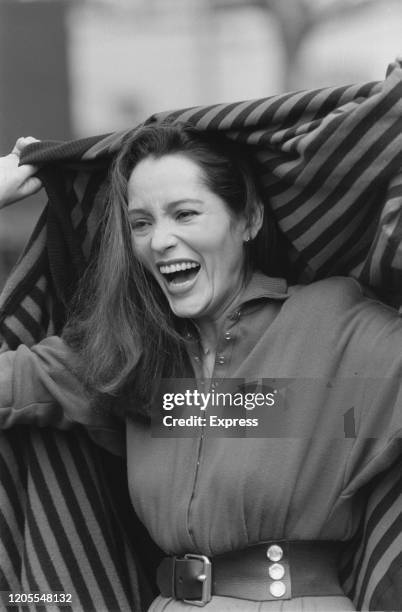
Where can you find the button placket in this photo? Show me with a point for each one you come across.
(193, 352)
(225, 345)
(224, 349)
(200, 448)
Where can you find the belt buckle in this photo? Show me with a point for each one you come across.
(205, 578)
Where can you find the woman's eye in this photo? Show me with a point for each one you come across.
(185, 214)
(139, 225)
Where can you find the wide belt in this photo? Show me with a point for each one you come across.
(268, 571)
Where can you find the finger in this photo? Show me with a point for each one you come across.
(22, 143)
(31, 186)
(26, 171)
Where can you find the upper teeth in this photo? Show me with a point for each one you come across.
(168, 269)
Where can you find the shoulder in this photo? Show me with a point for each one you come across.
(336, 292)
(343, 306)
(342, 301)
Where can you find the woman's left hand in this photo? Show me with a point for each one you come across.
(17, 182)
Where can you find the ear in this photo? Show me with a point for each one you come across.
(255, 222)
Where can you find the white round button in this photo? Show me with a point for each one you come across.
(277, 589)
(275, 553)
(276, 571)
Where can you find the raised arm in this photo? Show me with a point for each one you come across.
(35, 384)
(38, 387)
(17, 182)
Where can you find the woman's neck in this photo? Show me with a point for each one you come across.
(210, 327)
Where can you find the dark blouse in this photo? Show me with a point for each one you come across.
(337, 360)
(212, 494)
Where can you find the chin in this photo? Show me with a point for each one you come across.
(186, 312)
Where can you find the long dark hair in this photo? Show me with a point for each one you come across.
(120, 325)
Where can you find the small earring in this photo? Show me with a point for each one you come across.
(248, 239)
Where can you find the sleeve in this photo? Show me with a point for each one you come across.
(375, 331)
(38, 387)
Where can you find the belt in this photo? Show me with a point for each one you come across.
(274, 570)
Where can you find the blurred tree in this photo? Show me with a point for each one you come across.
(296, 19)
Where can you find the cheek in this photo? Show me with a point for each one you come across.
(140, 252)
(231, 250)
(226, 243)
(224, 262)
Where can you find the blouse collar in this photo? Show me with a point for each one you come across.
(262, 286)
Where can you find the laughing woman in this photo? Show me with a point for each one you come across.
(176, 292)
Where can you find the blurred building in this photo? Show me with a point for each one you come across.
(71, 69)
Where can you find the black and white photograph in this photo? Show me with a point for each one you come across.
(200, 305)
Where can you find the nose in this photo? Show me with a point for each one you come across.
(163, 237)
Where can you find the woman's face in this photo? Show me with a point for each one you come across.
(184, 234)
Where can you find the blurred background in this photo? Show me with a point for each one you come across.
(75, 68)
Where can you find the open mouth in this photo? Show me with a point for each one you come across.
(179, 273)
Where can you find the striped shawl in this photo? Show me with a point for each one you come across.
(329, 165)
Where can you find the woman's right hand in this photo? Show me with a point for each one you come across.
(17, 182)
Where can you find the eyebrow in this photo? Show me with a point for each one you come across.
(170, 205)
